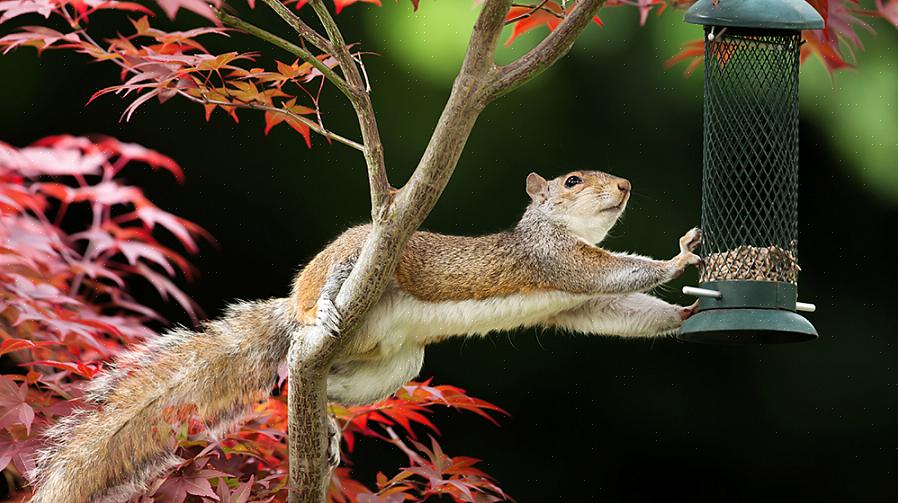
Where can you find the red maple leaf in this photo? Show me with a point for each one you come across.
(10, 345)
(692, 51)
(529, 17)
(87, 370)
(201, 7)
(178, 487)
(274, 118)
(14, 408)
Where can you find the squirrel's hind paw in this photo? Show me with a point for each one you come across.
(687, 311)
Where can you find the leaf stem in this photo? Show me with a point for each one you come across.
(314, 126)
(532, 11)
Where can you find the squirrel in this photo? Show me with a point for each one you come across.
(545, 272)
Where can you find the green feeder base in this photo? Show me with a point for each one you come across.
(746, 326)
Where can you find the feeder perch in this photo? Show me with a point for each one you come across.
(749, 276)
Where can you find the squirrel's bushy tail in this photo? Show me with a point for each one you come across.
(113, 452)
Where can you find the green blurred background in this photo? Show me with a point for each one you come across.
(592, 419)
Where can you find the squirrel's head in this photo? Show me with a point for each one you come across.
(588, 203)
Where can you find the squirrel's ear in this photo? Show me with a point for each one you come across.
(536, 186)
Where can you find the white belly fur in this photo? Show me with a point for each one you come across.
(400, 326)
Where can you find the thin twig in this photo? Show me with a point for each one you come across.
(80, 30)
(539, 6)
(357, 57)
(314, 126)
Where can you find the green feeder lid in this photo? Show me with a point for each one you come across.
(774, 14)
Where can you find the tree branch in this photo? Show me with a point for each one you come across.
(310, 361)
(277, 41)
(378, 258)
(479, 57)
(550, 50)
(302, 29)
(381, 190)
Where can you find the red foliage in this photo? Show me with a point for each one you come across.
(431, 472)
(644, 7)
(160, 64)
(64, 306)
(548, 14)
(65, 309)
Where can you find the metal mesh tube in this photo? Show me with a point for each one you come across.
(750, 174)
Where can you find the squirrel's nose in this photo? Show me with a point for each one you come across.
(623, 185)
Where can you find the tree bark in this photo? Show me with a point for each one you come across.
(308, 437)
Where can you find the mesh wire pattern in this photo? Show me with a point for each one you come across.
(750, 173)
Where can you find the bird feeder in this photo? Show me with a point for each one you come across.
(748, 278)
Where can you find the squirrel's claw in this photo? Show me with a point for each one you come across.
(328, 316)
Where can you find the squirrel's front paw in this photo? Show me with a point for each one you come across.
(690, 241)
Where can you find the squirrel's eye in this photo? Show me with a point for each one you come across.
(572, 180)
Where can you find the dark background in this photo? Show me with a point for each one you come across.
(592, 418)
